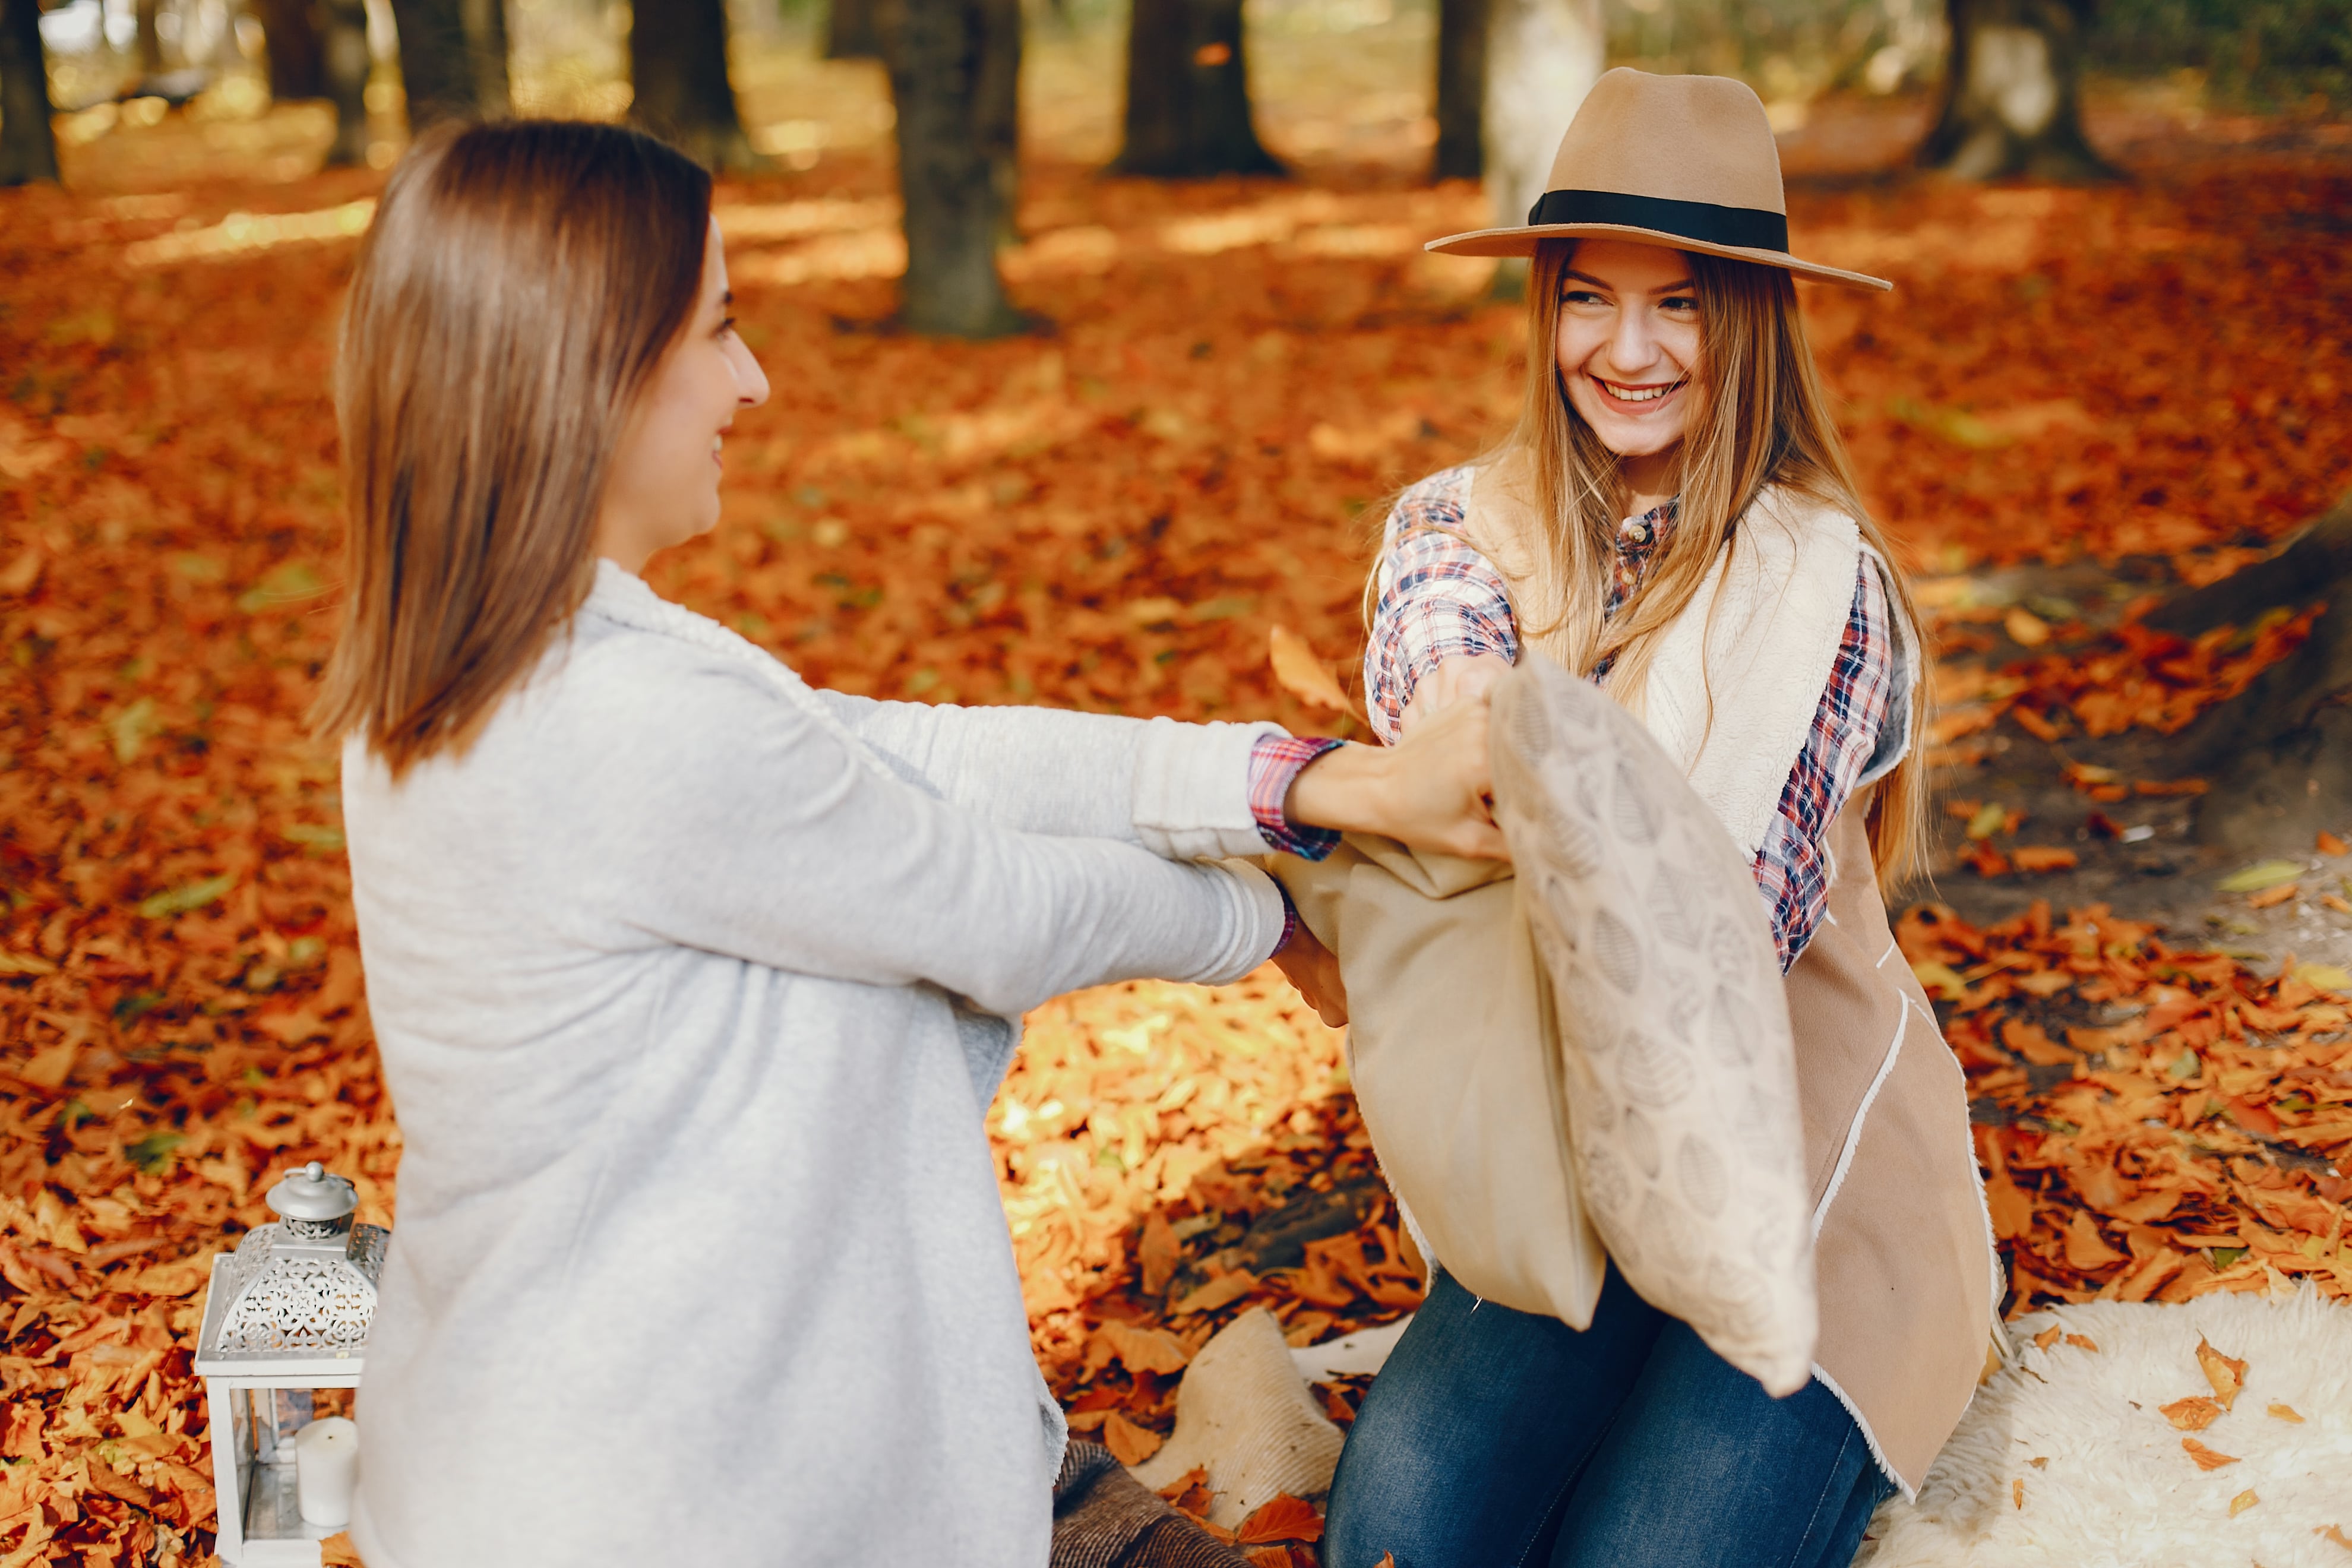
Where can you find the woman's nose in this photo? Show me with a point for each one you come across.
(1631, 347)
(750, 381)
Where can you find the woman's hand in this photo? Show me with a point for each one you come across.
(1314, 973)
(1453, 680)
(1429, 791)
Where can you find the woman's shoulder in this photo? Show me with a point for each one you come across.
(627, 633)
(1444, 491)
(1791, 536)
(1439, 502)
(1812, 521)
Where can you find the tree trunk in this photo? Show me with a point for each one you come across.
(485, 37)
(1461, 90)
(2280, 752)
(996, 110)
(677, 62)
(297, 49)
(1188, 106)
(2012, 103)
(453, 58)
(28, 150)
(1542, 58)
(348, 62)
(853, 30)
(146, 42)
(947, 65)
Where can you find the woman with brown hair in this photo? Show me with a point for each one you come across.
(690, 982)
(1675, 518)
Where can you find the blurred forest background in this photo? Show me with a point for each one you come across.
(122, 63)
(1100, 336)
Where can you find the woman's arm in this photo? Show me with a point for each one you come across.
(1792, 868)
(726, 818)
(1442, 628)
(1183, 791)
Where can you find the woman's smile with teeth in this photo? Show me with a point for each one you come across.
(1637, 394)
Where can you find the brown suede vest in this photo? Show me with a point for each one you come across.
(1909, 1282)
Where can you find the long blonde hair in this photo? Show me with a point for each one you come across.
(1762, 419)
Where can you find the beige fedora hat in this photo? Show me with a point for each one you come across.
(1681, 161)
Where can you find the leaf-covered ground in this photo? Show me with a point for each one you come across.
(2148, 383)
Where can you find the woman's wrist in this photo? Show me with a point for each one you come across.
(1430, 791)
(1346, 790)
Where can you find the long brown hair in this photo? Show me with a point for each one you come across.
(1763, 418)
(518, 285)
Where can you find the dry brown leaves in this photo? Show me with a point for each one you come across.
(2153, 1124)
(1116, 517)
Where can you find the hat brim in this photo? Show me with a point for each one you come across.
(1521, 241)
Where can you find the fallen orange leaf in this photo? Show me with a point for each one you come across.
(2270, 896)
(2042, 859)
(1140, 1349)
(1129, 1443)
(1217, 1292)
(1303, 675)
(2035, 725)
(1284, 1519)
(1158, 1253)
(2286, 1413)
(2017, 1492)
(2012, 1208)
(2086, 1249)
(2243, 1501)
(2033, 1042)
(2226, 1373)
(2331, 844)
(2334, 1532)
(2253, 1118)
(2206, 1459)
(2084, 1342)
(2193, 1413)
(1985, 859)
(2048, 1337)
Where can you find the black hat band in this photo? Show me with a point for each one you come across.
(1750, 229)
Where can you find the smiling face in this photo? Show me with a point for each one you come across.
(662, 488)
(1628, 350)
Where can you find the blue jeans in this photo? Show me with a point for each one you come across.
(1496, 1439)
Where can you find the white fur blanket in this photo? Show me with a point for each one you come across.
(2067, 1460)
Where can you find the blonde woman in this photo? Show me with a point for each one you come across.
(1675, 453)
(691, 984)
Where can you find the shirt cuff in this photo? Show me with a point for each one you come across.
(1275, 763)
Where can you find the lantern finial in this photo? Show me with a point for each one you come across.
(314, 1196)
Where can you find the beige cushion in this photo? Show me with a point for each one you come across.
(1673, 1021)
(1596, 1051)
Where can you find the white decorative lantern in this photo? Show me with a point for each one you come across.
(286, 1312)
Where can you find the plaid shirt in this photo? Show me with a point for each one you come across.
(1274, 766)
(1440, 598)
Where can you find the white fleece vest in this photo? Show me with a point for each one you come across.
(1737, 678)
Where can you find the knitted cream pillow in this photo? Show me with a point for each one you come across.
(1671, 1018)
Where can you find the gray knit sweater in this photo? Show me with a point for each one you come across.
(691, 988)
